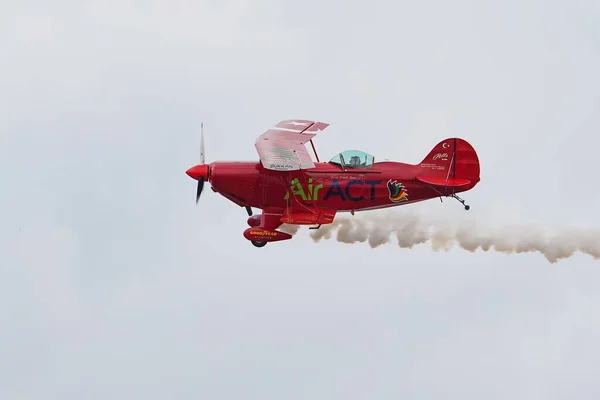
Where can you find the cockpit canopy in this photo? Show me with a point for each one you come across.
(353, 159)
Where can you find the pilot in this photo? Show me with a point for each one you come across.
(355, 162)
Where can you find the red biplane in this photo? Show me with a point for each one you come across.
(290, 188)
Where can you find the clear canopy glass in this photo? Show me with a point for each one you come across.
(353, 159)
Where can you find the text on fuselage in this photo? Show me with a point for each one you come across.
(335, 190)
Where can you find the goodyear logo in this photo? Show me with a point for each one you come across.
(263, 233)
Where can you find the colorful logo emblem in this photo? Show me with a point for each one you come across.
(397, 192)
(298, 190)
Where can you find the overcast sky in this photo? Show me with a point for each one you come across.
(114, 284)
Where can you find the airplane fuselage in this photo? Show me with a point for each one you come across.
(327, 186)
(290, 188)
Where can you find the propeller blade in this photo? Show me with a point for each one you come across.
(200, 187)
(195, 172)
(202, 143)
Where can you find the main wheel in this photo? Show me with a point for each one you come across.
(257, 243)
(467, 208)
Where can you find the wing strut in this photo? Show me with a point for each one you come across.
(314, 150)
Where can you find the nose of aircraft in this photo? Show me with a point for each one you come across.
(198, 171)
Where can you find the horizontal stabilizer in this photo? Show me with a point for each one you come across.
(442, 181)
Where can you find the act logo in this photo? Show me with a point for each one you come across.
(398, 192)
(298, 190)
(335, 189)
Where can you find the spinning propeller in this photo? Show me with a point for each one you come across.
(200, 171)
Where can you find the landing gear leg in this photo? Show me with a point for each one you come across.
(467, 207)
(258, 243)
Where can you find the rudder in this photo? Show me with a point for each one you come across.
(454, 160)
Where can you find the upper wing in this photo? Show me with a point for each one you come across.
(282, 148)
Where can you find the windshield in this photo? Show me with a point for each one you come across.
(353, 159)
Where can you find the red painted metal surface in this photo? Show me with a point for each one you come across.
(314, 195)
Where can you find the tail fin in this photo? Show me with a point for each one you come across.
(452, 162)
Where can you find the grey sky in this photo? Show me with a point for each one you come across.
(115, 285)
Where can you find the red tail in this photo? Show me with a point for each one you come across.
(453, 162)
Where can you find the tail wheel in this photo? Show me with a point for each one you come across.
(258, 243)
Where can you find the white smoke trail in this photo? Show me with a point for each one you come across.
(411, 230)
(289, 228)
